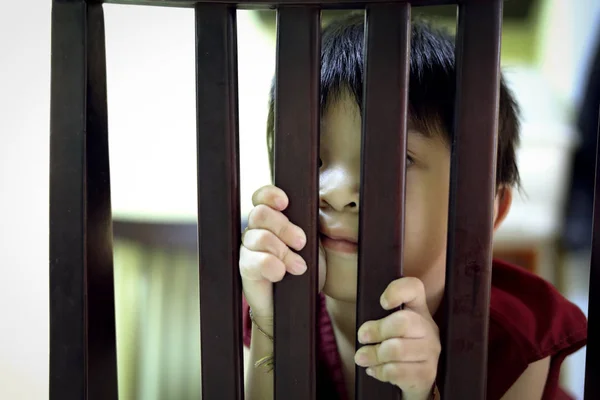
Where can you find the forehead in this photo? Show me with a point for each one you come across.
(342, 116)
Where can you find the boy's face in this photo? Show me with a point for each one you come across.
(426, 204)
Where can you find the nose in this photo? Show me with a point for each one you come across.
(339, 191)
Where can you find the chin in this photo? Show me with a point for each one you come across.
(341, 279)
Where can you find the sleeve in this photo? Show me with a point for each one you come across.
(529, 321)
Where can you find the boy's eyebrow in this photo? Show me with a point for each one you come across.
(418, 133)
(417, 129)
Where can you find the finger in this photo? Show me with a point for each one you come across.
(402, 323)
(406, 375)
(264, 217)
(271, 196)
(262, 240)
(409, 291)
(394, 350)
(256, 265)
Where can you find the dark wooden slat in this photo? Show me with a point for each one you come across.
(102, 366)
(83, 361)
(381, 232)
(468, 274)
(218, 202)
(296, 168)
(251, 4)
(68, 341)
(592, 362)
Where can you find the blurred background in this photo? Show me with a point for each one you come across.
(551, 58)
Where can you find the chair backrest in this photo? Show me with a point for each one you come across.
(82, 317)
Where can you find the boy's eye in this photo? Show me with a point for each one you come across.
(409, 160)
(320, 163)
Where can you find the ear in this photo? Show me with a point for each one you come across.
(502, 204)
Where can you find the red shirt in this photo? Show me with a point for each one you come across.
(529, 320)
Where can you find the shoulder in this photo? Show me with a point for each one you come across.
(529, 321)
(532, 311)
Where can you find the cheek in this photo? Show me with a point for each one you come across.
(426, 227)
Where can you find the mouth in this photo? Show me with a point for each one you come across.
(339, 243)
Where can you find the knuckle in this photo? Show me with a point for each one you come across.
(417, 284)
(399, 320)
(258, 215)
(262, 239)
(424, 327)
(395, 324)
(285, 253)
(283, 230)
(389, 351)
(272, 268)
(417, 320)
(373, 352)
(278, 274)
(395, 349)
(247, 264)
(379, 330)
(409, 316)
(265, 240)
(391, 372)
(266, 261)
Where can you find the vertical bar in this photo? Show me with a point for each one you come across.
(381, 233)
(83, 361)
(102, 367)
(472, 190)
(218, 202)
(68, 316)
(296, 169)
(592, 361)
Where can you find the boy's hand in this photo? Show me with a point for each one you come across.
(404, 347)
(267, 248)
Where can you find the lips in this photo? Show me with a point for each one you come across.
(339, 241)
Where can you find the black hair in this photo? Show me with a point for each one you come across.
(431, 88)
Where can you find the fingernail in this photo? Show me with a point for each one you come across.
(369, 372)
(300, 242)
(361, 358)
(383, 302)
(299, 267)
(363, 337)
(280, 203)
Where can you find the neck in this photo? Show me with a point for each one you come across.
(343, 318)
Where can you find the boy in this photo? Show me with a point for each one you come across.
(532, 327)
